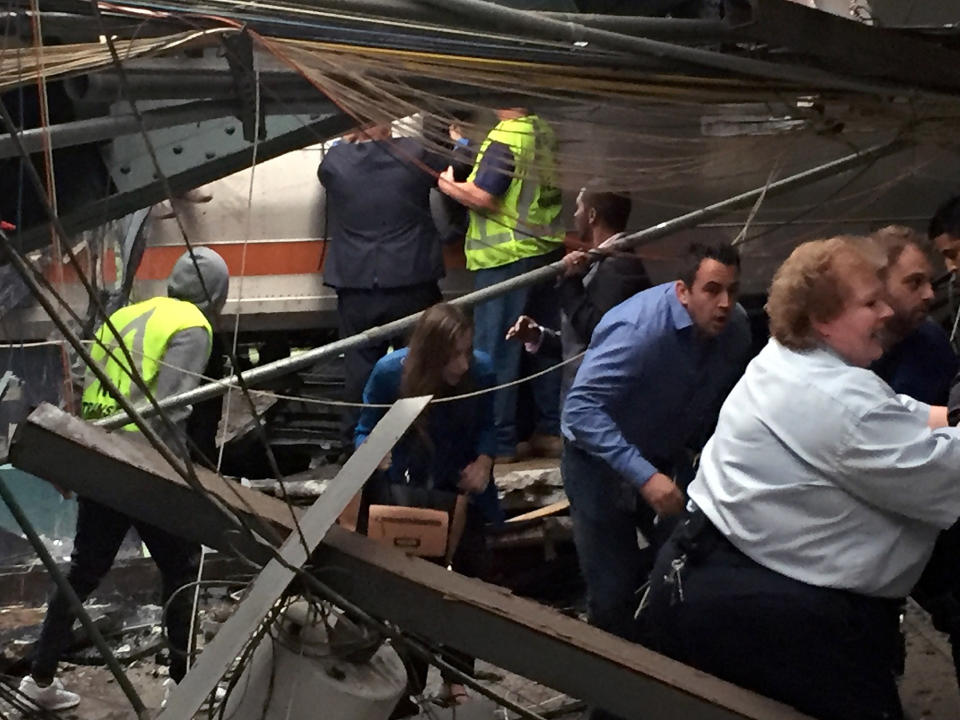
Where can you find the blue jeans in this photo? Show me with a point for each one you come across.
(605, 528)
(491, 321)
(605, 534)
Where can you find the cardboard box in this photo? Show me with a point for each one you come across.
(417, 531)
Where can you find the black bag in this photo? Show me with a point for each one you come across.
(380, 491)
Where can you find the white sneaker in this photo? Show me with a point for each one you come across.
(51, 697)
(168, 686)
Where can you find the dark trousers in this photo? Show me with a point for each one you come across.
(938, 590)
(492, 319)
(362, 309)
(606, 517)
(827, 652)
(100, 530)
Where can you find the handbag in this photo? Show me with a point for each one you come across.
(419, 520)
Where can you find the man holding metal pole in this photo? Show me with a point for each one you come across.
(588, 291)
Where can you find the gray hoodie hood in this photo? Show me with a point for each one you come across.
(185, 284)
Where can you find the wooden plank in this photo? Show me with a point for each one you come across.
(481, 619)
(546, 511)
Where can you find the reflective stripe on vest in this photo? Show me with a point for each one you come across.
(145, 328)
(529, 221)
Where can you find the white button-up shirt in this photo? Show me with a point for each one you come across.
(819, 471)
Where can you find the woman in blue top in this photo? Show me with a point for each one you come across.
(451, 445)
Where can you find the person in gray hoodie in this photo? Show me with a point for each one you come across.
(170, 339)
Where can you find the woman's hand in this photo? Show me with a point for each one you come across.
(475, 476)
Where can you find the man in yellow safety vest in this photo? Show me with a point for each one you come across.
(515, 226)
(169, 339)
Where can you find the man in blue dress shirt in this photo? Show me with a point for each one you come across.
(652, 382)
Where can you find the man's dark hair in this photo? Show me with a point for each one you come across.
(723, 253)
(946, 219)
(612, 208)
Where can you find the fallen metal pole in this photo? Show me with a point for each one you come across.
(397, 327)
(76, 604)
(692, 219)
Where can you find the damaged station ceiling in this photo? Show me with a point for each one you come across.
(766, 122)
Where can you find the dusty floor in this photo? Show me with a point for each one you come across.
(929, 686)
(928, 689)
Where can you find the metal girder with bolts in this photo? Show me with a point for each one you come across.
(185, 147)
(480, 619)
(188, 176)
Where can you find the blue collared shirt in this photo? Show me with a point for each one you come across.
(650, 385)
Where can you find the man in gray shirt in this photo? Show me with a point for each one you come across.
(169, 340)
(587, 290)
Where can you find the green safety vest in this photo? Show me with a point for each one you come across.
(528, 222)
(146, 328)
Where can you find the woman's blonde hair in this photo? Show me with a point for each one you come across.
(813, 284)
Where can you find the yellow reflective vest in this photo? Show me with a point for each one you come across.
(145, 328)
(528, 222)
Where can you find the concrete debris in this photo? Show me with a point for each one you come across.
(240, 421)
(529, 484)
(477, 708)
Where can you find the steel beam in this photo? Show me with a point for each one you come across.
(289, 365)
(126, 456)
(806, 78)
(480, 619)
